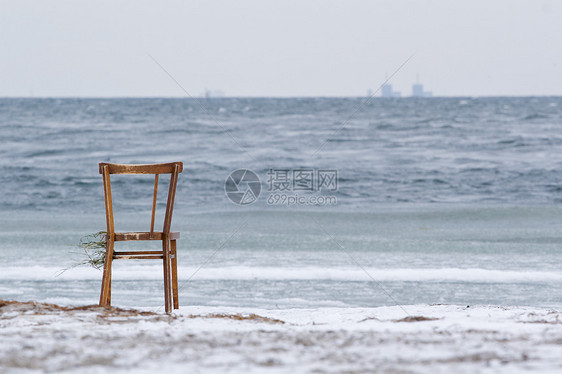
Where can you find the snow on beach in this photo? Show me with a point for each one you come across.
(36, 337)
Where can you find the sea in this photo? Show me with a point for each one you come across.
(290, 202)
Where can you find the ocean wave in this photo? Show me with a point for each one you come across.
(245, 273)
(534, 116)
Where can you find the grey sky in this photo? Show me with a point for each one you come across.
(279, 48)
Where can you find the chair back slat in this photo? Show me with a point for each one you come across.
(171, 197)
(108, 203)
(166, 168)
(154, 203)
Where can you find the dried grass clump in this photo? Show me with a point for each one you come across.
(415, 319)
(240, 317)
(38, 308)
(94, 246)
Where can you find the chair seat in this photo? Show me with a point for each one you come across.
(157, 235)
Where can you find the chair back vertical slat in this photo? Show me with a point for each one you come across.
(154, 203)
(171, 197)
(105, 296)
(108, 203)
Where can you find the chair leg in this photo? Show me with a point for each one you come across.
(167, 288)
(175, 275)
(105, 296)
(109, 285)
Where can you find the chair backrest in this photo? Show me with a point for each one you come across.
(173, 168)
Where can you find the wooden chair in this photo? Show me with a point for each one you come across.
(168, 253)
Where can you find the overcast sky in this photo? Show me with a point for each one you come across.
(279, 48)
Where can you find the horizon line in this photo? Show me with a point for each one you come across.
(281, 97)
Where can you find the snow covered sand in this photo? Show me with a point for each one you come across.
(37, 337)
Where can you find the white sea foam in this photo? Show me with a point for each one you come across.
(136, 272)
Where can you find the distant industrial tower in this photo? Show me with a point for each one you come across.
(386, 91)
(417, 91)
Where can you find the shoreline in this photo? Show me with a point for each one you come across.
(431, 338)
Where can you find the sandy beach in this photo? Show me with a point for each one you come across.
(37, 337)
